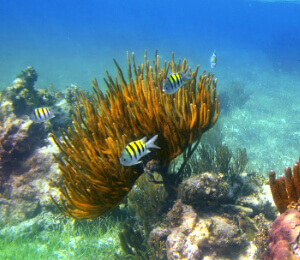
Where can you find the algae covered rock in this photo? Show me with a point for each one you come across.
(249, 194)
(203, 190)
(18, 138)
(208, 221)
(225, 235)
(27, 165)
(195, 237)
(26, 192)
(24, 96)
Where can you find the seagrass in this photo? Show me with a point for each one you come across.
(93, 180)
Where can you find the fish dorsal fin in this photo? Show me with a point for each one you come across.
(180, 72)
(144, 140)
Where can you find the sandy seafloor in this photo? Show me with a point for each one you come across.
(268, 124)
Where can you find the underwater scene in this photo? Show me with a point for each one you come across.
(149, 129)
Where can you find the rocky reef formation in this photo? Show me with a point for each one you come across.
(194, 237)
(211, 219)
(26, 162)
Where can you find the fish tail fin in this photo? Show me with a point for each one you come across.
(54, 110)
(26, 117)
(186, 75)
(151, 144)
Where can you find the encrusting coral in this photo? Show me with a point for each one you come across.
(94, 181)
(283, 242)
(285, 190)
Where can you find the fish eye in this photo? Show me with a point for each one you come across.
(124, 159)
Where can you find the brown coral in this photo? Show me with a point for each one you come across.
(285, 190)
(93, 179)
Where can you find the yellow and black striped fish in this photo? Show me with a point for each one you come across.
(133, 151)
(175, 81)
(41, 114)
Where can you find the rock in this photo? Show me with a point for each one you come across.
(27, 165)
(24, 96)
(18, 138)
(214, 220)
(27, 192)
(210, 236)
(158, 235)
(225, 236)
(203, 190)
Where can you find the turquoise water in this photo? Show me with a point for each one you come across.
(71, 42)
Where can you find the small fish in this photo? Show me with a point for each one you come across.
(175, 81)
(41, 114)
(213, 60)
(134, 151)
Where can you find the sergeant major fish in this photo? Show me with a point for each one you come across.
(41, 114)
(134, 151)
(175, 81)
(213, 60)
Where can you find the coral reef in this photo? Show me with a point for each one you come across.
(285, 190)
(228, 177)
(26, 190)
(26, 161)
(203, 190)
(93, 180)
(208, 220)
(17, 141)
(19, 136)
(191, 236)
(24, 96)
(213, 192)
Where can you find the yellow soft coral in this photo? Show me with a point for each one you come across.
(93, 179)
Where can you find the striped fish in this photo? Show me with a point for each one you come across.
(175, 81)
(41, 114)
(134, 151)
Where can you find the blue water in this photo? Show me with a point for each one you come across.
(75, 41)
